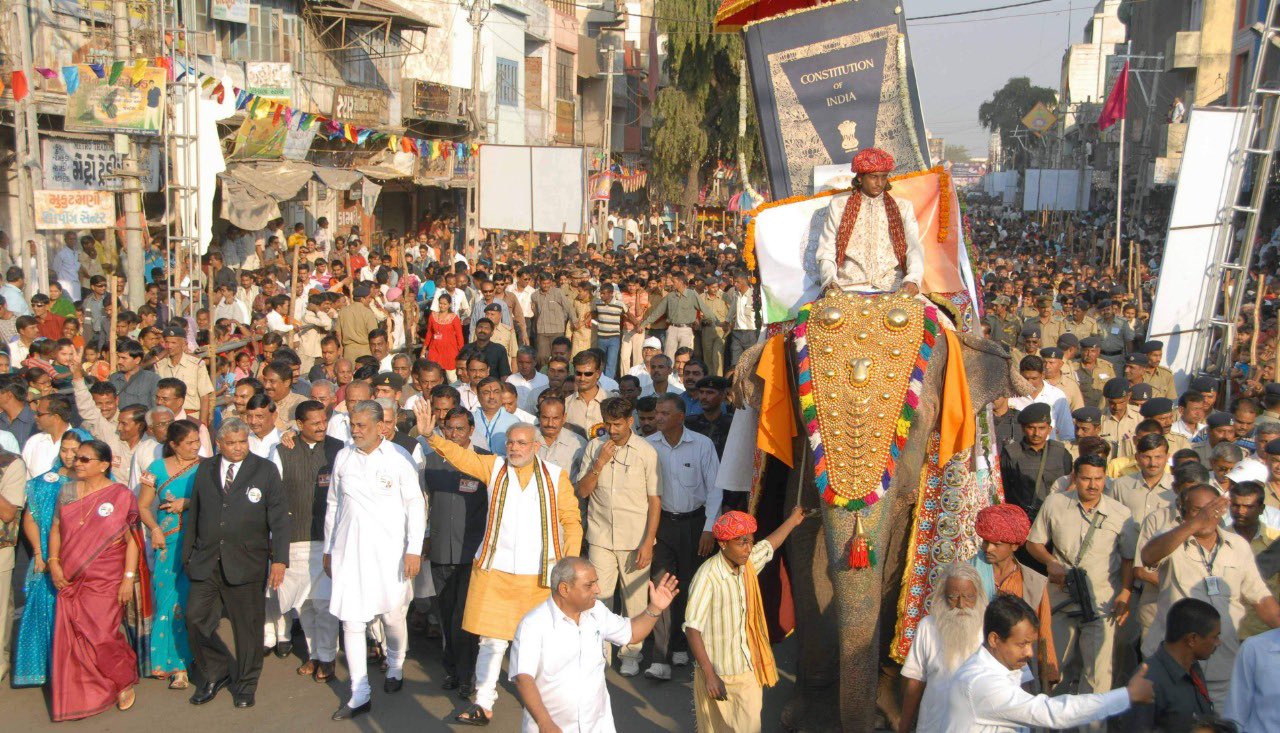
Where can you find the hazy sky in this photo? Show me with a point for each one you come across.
(961, 61)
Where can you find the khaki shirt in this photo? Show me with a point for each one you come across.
(1092, 380)
(13, 487)
(190, 370)
(619, 507)
(681, 309)
(1063, 523)
(1176, 442)
(1120, 432)
(584, 415)
(1083, 329)
(1132, 491)
(1049, 332)
(285, 409)
(1071, 389)
(1252, 625)
(355, 322)
(565, 452)
(1161, 381)
(1184, 574)
(715, 312)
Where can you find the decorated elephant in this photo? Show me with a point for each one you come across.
(869, 382)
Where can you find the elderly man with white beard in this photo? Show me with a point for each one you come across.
(944, 639)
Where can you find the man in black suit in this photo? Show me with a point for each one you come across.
(237, 506)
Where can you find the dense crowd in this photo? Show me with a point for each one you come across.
(374, 401)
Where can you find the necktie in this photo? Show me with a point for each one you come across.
(231, 476)
(1199, 684)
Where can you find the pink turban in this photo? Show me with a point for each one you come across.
(872, 160)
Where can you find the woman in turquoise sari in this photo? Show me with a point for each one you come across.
(35, 631)
(169, 480)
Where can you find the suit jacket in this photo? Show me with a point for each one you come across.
(237, 527)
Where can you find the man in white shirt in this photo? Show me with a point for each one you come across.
(986, 693)
(1253, 682)
(66, 266)
(260, 416)
(528, 381)
(340, 422)
(228, 307)
(690, 506)
(373, 532)
(557, 660)
(53, 418)
(944, 639)
(1032, 369)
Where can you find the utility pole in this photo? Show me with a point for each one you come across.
(608, 143)
(476, 14)
(27, 149)
(131, 191)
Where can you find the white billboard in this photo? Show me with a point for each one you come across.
(532, 189)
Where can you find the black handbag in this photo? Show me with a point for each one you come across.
(1076, 581)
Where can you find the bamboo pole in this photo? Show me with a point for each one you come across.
(115, 317)
(1257, 325)
(212, 351)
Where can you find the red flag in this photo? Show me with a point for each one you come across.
(1117, 101)
(19, 83)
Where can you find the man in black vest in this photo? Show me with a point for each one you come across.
(455, 529)
(306, 468)
(237, 504)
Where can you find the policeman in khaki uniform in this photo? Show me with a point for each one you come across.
(1095, 533)
(1004, 327)
(619, 478)
(1080, 324)
(1092, 372)
(1070, 346)
(1160, 378)
(1051, 326)
(1052, 356)
(177, 363)
(1160, 409)
(1120, 418)
(1088, 422)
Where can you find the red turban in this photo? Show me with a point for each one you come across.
(1003, 523)
(732, 525)
(872, 160)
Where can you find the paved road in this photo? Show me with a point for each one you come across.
(286, 702)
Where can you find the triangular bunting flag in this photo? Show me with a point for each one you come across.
(275, 118)
(363, 136)
(19, 83)
(242, 100)
(116, 69)
(46, 73)
(98, 70)
(71, 77)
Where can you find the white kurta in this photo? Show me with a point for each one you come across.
(375, 516)
(926, 662)
(869, 262)
(304, 579)
(521, 541)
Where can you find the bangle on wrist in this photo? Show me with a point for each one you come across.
(129, 575)
(651, 614)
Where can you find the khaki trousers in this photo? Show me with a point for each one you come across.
(6, 615)
(1084, 654)
(739, 712)
(616, 576)
(677, 337)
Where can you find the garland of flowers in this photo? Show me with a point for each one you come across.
(809, 410)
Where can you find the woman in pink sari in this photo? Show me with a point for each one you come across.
(93, 561)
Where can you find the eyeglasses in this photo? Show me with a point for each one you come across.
(585, 374)
(84, 459)
(957, 597)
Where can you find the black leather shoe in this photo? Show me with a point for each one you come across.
(244, 700)
(392, 684)
(283, 649)
(466, 690)
(209, 690)
(346, 712)
(450, 682)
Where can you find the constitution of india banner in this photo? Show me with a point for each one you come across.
(829, 81)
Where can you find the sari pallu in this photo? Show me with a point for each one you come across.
(35, 631)
(93, 659)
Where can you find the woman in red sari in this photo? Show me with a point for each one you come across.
(93, 561)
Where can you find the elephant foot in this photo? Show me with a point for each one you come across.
(801, 716)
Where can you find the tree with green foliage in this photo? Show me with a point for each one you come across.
(696, 117)
(956, 154)
(1006, 108)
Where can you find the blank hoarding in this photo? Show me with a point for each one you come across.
(539, 189)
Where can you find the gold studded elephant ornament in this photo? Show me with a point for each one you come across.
(873, 407)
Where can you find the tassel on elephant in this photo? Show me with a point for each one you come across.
(841, 685)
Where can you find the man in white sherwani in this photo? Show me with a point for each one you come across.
(871, 240)
(373, 529)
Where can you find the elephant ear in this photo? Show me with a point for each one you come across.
(991, 370)
(748, 388)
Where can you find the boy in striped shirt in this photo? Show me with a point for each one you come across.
(726, 629)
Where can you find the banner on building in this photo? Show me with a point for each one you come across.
(89, 165)
(268, 80)
(232, 11)
(360, 106)
(829, 81)
(75, 210)
(263, 137)
(126, 97)
(599, 185)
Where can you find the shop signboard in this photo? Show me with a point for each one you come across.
(80, 165)
(127, 99)
(360, 106)
(75, 210)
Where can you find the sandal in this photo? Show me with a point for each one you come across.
(179, 681)
(324, 671)
(474, 715)
(126, 695)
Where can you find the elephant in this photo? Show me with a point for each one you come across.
(860, 606)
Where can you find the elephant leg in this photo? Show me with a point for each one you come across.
(897, 535)
(817, 669)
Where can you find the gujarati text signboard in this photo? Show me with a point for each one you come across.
(75, 209)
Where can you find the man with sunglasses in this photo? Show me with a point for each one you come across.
(582, 408)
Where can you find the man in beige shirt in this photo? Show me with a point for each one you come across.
(1198, 559)
(1052, 356)
(354, 323)
(1104, 553)
(277, 382)
(715, 327)
(619, 477)
(190, 370)
(582, 408)
(1120, 418)
(13, 496)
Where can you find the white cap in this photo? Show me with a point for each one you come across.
(1250, 469)
(651, 343)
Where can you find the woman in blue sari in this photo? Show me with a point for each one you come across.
(169, 480)
(35, 630)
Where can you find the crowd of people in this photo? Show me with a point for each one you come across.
(510, 451)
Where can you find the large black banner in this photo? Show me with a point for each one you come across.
(829, 81)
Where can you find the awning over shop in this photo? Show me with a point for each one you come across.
(252, 190)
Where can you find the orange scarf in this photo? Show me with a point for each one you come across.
(757, 631)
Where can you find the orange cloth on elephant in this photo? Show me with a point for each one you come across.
(758, 631)
(1047, 653)
(777, 411)
(957, 424)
